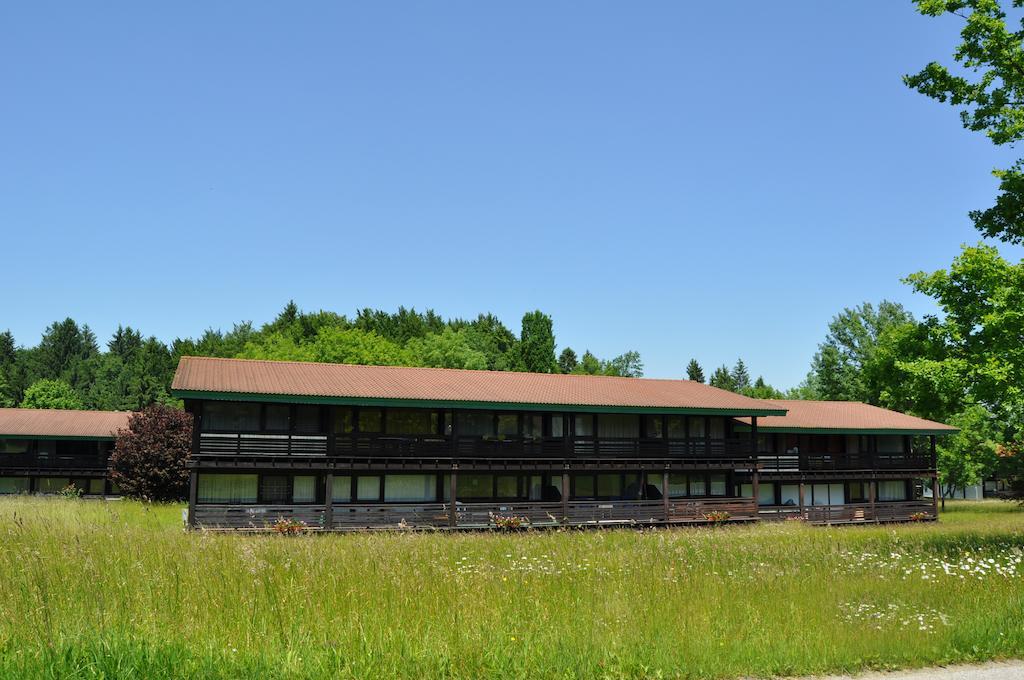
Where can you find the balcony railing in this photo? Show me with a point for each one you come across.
(881, 511)
(823, 462)
(434, 447)
(52, 462)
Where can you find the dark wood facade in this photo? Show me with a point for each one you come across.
(45, 465)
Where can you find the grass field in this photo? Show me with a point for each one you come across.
(103, 590)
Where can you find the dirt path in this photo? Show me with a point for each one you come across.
(997, 670)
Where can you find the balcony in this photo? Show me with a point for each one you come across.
(827, 462)
(882, 511)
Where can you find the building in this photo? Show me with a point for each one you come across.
(45, 451)
(839, 461)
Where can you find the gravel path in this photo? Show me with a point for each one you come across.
(997, 670)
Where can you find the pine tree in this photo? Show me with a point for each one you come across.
(567, 361)
(722, 378)
(694, 372)
(740, 376)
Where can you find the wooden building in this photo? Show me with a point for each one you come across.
(841, 461)
(44, 451)
(351, 447)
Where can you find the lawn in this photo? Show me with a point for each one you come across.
(100, 590)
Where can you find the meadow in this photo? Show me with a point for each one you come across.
(117, 589)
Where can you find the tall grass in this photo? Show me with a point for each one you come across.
(101, 590)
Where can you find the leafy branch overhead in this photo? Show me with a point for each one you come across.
(989, 91)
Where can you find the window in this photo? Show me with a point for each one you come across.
(276, 418)
(892, 490)
(13, 446)
(618, 426)
(697, 427)
(275, 489)
(609, 486)
(368, 488)
(52, 484)
(535, 488)
(13, 485)
(698, 485)
(307, 419)
(677, 486)
(474, 423)
(533, 426)
(766, 494)
(410, 488)
(97, 487)
(341, 489)
(227, 488)
(790, 494)
(508, 486)
(71, 448)
(474, 486)
(584, 425)
(652, 427)
(370, 420)
(583, 486)
(508, 425)
(231, 416)
(304, 489)
(406, 421)
(676, 427)
(717, 428)
(890, 444)
(344, 421)
(718, 485)
(557, 426)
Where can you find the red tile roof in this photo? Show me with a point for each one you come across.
(844, 416)
(32, 422)
(344, 382)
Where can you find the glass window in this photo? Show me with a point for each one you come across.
(890, 444)
(304, 489)
(717, 485)
(836, 494)
(698, 485)
(609, 486)
(631, 485)
(790, 494)
(13, 485)
(508, 486)
(13, 446)
(677, 486)
(584, 425)
(276, 417)
(508, 425)
(557, 426)
(474, 423)
(857, 492)
(653, 427)
(583, 486)
(227, 488)
(818, 493)
(402, 421)
(536, 488)
(696, 427)
(275, 489)
(533, 426)
(341, 489)
(892, 490)
(370, 420)
(717, 428)
(410, 488)
(231, 416)
(368, 488)
(52, 484)
(474, 486)
(766, 493)
(97, 486)
(676, 427)
(307, 419)
(618, 426)
(344, 421)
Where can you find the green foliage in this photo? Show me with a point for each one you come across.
(740, 376)
(537, 343)
(447, 349)
(567, 361)
(990, 97)
(694, 372)
(722, 379)
(762, 390)
(966, 457)
(47, 393)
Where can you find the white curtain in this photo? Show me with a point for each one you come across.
(342, 489)
(304, 489)
(892, 491)
(717, 485)
(227, 488)
(410, 488)
(368, 488)
(623, 426)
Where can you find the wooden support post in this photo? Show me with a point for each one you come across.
(328, 501)
(936, 492)
(453, 518)
(193, 496)
(664, 494)
(802, 511)
(871, 499)
(565, 495)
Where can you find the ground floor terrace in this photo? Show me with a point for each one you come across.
(85, 483)
(338, 500)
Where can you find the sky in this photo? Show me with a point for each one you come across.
(708, 180)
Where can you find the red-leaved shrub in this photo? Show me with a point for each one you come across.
(150, 456)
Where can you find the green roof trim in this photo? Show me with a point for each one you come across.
(740, 427)
(489, 405)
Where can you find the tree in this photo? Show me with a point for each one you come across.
(740, 376)
(968, 456)
(694, 372)
(762, 390)
(567, 361)
(447, 349)
(627, 365)
(722, 378)
(589, 365)
(125, 342)
(47, 393)
(537, 343)
(990, 97)
(150, 457)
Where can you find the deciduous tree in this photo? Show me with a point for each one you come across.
(150, 456)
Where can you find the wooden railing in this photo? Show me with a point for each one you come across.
(438, 447)
(883, 511)
(53, 462)
(819, 462)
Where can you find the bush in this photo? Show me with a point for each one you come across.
(52, 394)
(150, 457)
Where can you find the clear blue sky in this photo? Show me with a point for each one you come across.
(709, 181)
